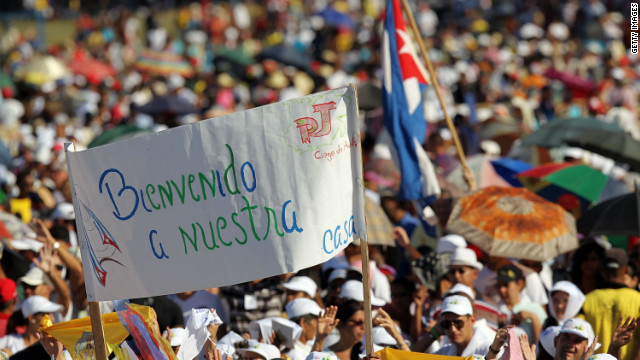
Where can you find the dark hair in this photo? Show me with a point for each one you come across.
(347, 309)
(580, 256)
(307, 318)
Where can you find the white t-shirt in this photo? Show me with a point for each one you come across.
(479, 345)
(12, 342)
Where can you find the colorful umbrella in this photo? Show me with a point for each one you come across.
(116, 134)
(168, 105)
(619, 146)
(553, 133)
(286, 55)
(513, 222)
(508, 168)
(163, 63)
(94, 70)
(554, 181)
(484, 172)
(616, 216)
(42, 69)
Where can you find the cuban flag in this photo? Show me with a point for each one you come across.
(404, 82)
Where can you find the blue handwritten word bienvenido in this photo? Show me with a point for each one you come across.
(128, 200)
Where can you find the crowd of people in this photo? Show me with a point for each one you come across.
(505, 68)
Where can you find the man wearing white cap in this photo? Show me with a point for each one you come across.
(304, 312)
(464, 268)
(574, 339)
(456, 322)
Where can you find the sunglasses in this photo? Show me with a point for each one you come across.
(446, 324)
(356, 323)
(458, 270)
(59, 267)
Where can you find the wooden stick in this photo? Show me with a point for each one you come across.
(469, 178)
(98, 331)
(366, 288)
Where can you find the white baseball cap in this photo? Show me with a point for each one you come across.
(382, 337)
(63, 211)
(317, 355)
(602, 356)
(547, 337)
(465, 257)
(265, 350)
(35, 276)
(579, 327)
(456, 304)
(460, 288)
(302, 306)
(178, 336)
(354, 289)
(337, 274)
(302, 283)
(27, 242)
(449, 243)
(39, 304)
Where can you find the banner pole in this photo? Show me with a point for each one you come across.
(98, 331)
(366, 288)
(467, 173)
(364, 253)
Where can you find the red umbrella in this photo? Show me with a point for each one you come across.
(94, 70)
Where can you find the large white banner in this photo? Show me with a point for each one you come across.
(249, 195)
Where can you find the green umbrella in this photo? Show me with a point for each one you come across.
(118, 133)
(619, 146)
(554, 133)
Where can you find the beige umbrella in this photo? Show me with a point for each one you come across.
(514, 222)
(42, 69)
(379, 228)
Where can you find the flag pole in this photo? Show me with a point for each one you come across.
(366, 287)
(468, 175)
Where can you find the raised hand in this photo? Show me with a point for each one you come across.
(420, 297)
(326, 323)
(528, 352)
(623, 332)
(587, 354)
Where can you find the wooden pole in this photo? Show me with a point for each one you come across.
(98, 331)
(468, 175)
(366, 288)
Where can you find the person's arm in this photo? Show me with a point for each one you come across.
(622, 335)
(326, 323)
(425, 341)
(536, 325)
(383, 319)
(501, 337)
(402, 238)
(46, 264)
(419, 299)
(51, 345)
(74, 267)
